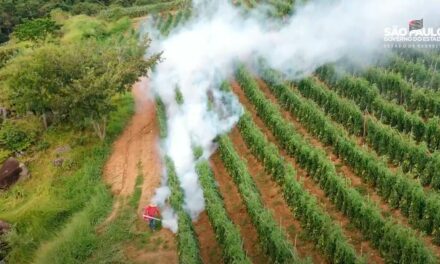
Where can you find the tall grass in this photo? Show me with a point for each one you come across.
(65, 208)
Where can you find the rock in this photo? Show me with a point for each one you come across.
(62, 150)
(24, 174)
(4, 227)
(58, 162)
(9, 173)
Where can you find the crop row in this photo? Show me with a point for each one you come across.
(396, 243)
(226, 232)
(394, 87)
(429, 58)
(165, 23)
(368, 98)
(271, 236)
(383, 139)
(187, 242)
(415, 72)
(319, 227)
(161, 115)
(139, 11)
(423, 209)
(282, 7)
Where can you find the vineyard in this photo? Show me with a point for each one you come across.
(336, 164)
(339, 167)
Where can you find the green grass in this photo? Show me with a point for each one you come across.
(55, 212)
(139, 11)
(134, 201)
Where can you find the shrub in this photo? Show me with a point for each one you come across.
(18, 135)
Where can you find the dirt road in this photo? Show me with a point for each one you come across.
(134, 152)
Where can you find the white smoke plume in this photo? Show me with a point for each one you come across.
(203, 51)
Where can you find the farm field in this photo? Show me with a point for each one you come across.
(343, 163)
(258, 162)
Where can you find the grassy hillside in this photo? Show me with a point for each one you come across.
(54, 213)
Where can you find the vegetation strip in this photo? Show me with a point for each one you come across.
(272, 237)
(368, 98)
(394, 242)
(416, 72)
(422, 209)
(139, 11)
(327, 236)
(187, 242)
(394, 87)
(383, 139)
(226, 232)
(161, 114)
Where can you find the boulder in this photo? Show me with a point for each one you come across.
(9, 173)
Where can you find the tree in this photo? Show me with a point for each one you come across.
(35, 30)
(75, 83)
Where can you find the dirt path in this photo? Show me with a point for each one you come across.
(355, 237)
(136, 149)
(209, 248)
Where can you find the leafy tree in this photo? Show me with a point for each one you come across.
(76, 82)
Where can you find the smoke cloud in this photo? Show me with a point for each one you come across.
(201, 53)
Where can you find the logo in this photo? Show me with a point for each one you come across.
(415, 36)
(415, 24)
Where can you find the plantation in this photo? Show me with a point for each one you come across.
(120, 106)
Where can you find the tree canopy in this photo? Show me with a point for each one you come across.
(74, 82)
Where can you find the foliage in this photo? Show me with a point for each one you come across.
(197, 152)
(422, 208)
(71, 203)
(187, 241)
(86, 8)
(37, 29)
(75, 82)
(394, 242)
(178, 96)
(161, 115)
(272, 237)
(320, 228)
(166, 27)
(4, 155)
(16, 12)
(227, 233)
(415, 72)
(394, 87)
(368, 97)
(138, 11)
(78, 239)
(18, 135)
(6, 53)
(385, 140)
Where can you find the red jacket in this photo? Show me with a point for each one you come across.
(152, 211)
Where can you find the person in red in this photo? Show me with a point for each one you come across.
(151, 214)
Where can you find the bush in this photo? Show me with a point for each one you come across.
(37, 29)
(18, 135)
(86, 8)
